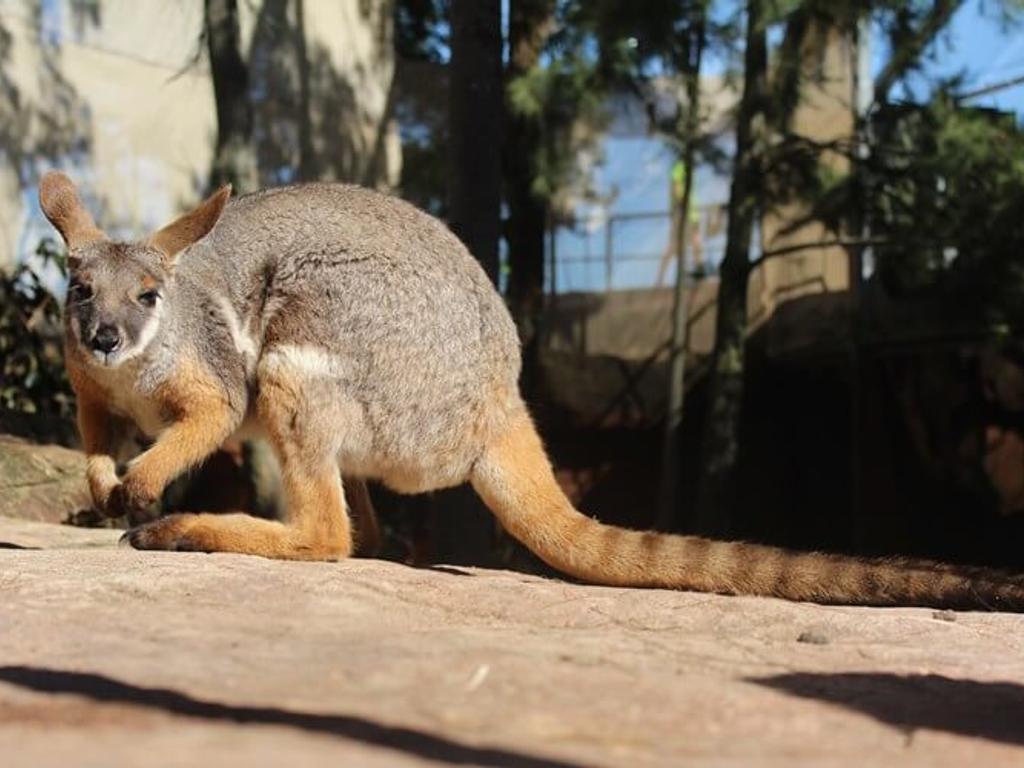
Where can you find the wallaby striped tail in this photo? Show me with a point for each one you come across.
(515, 480)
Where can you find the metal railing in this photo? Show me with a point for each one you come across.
(628, 250)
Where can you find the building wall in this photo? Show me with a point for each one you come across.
(826, 113)
(122, 99)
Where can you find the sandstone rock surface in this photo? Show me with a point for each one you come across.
(114, 657)
(41, 482)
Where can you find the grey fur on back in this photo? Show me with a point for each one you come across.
(407, 356)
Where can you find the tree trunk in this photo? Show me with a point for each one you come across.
(530, 22)
(475, 112)
(235, 162)
(670, 469)
(720, 446)
(465, 531)
(234, 159)
(307, 153)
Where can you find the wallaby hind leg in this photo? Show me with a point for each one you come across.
(316, 526)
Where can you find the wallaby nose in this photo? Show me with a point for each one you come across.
(107, 339)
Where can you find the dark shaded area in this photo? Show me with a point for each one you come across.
(887, 457)
(475, 109)
(40, 427)
(993, 711)
(11, 545)
(409, 740)
(910, 474)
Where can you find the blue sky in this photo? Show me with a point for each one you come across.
(976, 45)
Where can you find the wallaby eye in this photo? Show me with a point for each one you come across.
(148, 298)
(79, 291)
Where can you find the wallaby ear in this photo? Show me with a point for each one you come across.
(62, 206)
(193, 226)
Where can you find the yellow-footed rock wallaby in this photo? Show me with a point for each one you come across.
(356, 332)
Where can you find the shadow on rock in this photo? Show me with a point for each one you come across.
(993, 711)
(411, 741)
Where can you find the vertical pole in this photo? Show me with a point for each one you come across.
(608, 255)
(553, 227)
(856, 398)
(475, 113)
(862, 83)
(677, 367)
(669, 490)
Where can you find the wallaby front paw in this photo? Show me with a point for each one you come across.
(129, 499)
(169, 533)
(115, 504)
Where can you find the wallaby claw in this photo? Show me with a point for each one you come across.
(168, 533)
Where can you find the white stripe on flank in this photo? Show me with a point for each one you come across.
(245, 345)
(312, 361)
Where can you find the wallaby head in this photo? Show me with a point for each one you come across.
(117, 291)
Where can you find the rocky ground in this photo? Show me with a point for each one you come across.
(114, 657)
(40, 482)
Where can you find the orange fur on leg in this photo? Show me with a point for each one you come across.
(304, 537)
(202, 420)
(238, 533)
(97, 427)
(317, 526)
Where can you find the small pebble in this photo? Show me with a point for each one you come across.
(812, 637)
(946, 615)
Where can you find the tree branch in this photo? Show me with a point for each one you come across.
(908, 43)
